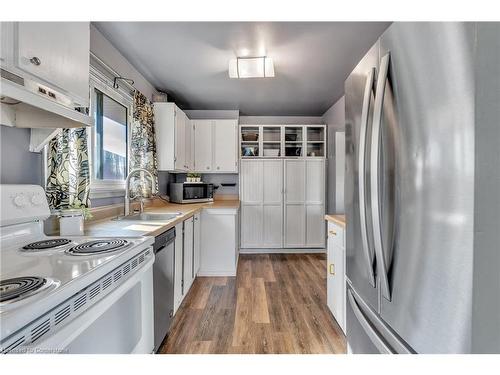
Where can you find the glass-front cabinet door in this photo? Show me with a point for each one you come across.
(294, 140)
(315, 141)
(289, 141)
(271, 141)
(249, 141)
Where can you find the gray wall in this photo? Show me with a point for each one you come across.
(18, 165)
(335, 119)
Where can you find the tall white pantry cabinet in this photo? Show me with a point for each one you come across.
(282, 203)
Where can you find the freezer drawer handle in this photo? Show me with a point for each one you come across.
(368, 253)
(375, 178)
(367, 327)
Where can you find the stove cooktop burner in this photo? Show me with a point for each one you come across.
(98, 246)
(20, 287)
(47, 244)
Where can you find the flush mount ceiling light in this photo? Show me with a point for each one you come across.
(251, 67)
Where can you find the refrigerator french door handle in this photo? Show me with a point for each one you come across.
(372, 334)
(361, 175)
(375, 178)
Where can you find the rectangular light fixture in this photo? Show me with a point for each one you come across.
(251, 67)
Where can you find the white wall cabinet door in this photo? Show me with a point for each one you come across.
(58, 53)
(180, 141)
(295, 224)
(203, 145)
(197, 243)
(188, 249)
(295, 211)
(315, 203)
(251, 181)
(225, 141)
(251, 225)
(315, 225)
(295, 184)
(188, 143)
(272, 203)
(178, 269)
(251, 203)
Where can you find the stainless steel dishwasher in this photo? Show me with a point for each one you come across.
(163, 283)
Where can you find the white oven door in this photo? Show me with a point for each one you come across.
(121, 323)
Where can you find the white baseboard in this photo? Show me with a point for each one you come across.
(282, 251)
(216, 273)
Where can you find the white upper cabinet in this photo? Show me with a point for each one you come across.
(180, 141)
(225, 155)
(203, 145)
(174, 138)
(54, 53)
(188, 144)
(185, 145)
(215, 144)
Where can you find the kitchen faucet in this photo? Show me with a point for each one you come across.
(127, 188)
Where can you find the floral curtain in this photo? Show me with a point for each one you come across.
(68, 181)
(143, 146)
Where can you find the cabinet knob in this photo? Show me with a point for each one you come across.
(218, 168)
(35, 61)
(208, 167)
(332, 269)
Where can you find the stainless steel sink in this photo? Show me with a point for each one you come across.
(150, 216)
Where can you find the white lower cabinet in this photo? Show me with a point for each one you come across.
(197, 243)
(178, 268)
(184, 258)
(188, 250)
(219, 242)
(336, 286)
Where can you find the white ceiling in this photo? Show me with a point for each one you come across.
(189, 60)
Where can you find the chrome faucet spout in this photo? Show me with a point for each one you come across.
(127, 186)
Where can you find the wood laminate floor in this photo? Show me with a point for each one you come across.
(276, 304)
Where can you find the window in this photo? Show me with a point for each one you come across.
(110, 151)
(109, 137)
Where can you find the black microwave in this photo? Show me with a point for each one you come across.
(187, 192)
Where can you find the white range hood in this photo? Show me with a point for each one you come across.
(28, 104)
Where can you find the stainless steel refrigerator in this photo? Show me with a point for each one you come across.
(421, 149)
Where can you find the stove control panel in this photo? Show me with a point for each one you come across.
(22, 204)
